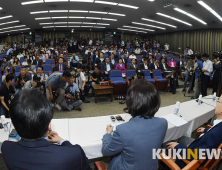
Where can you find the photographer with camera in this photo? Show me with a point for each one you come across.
(31, 68)
(97, 76)
(35, 83)
(207, 70)
(71, 100)
(6, 90)
(74, 61)
(216, 74)
(6, 72)
(21, 79)
(189, 74)
(43, 77)
(80, 80)
(85, 69)
(198, 74)
(55, 81)
(173, 80)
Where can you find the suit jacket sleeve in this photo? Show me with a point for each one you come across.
(112, 144)
(57, 68)
(112, 66)
(65, 68)
(103, 68)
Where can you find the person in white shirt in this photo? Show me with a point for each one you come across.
(48, 52)
(137, 51)
(132, 56)
(166, 47)
(122, 44)
(189, 51)
(137, 43)
(25, 63)
(111, 51)
(42, 57)
(104, 50)
(90, 42)
(87, 51)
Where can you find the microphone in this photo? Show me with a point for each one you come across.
(205, 103)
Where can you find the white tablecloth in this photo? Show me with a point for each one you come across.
(88, 132)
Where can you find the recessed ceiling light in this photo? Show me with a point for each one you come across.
(148, 25)
(99, 27)
(45, 23)
(78, 11)
(109, 19)
(60, 26)
(60, 22)
(102, 24)
(110, 13)
(59, 11)
(138, 28)
(76, 17)
(74, 22)
(106, 2)
(97, 12)
(128, 6)
(56, 0)
(21, 32)
(87, 26)
(0, 8)
(32, 2)
(81, 0)
(92, 18)
(73, 26)
(88, 23)
(49, 27)
(59, 17)
(39, 12)
(9, 16)
(43, 18)
(151, 0)
(210, 9)
(159, 22)
(170, 17)
(192, 16)
(19, 26)
(8, 34)
(9, 22)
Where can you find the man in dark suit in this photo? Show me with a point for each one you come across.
(145, 64)
(216, 75)
(61, 56)
(60, 66)
(106, 67)
(180, 62)
(151, 60)
(164, 56)
(36, 149)
(95, 56)
(113, 60)
(210, 139)
(99, 60)
(133, 65)
(37, 61)
(163, 65)
(155, 65)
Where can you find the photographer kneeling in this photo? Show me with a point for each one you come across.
(35, 83)
(6, 90)
(71, 99)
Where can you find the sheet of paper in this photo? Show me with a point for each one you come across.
(175, 120)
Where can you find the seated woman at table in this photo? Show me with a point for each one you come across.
(172, 63)
(132, 143)
(121, 66)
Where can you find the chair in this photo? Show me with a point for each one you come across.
(47, 68)
(115, 65)
(30, 75)
(140, 64)
(161, 83)
(21, 60)
(50, 61)
(129, 60)
(116, 80)
(176, 59)
(170, 55)
(148, 77)
(139, 57)
(45, 72)
(17, 69)
(128, 65)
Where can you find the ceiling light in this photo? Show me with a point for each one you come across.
(9, 16)
(97, 12)
(159, 22)
(32, 2)
(102, 24)
(78, 11)
(59, 11)
(58, 17)
(109, 19)
(170, 17)
(39, 12)
(56, 0)
(92, 18)
(106, 2)
(0, 8)
(210, 9)
(128, 6)
(24, 29)
(74, 22)
(81, 0)
(73, 26)
(9, 22)
(76, 17)
(45, 23)
(88, 23)
(116, 14)
(19, 26)
(148, 25)
(138, 28)
(8, 34)
(151, 0)
(87, 26)
(60, 26)
(184, 12)
(130, 30)
(49, 27)
(60, 22)
(43, 18)
(99, 27)
(21, 32)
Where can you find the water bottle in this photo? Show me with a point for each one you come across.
(177, 107)
(4, 123)
(214, 97)
(200, 99)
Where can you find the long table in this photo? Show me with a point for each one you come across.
(88, 132)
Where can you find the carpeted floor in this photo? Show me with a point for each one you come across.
(105, 107)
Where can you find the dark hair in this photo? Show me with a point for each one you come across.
(84, 61)
(120, 59)
(35, 77)
(29, 61)
(142, 99)
(98, 67)
(66, 74)
(198, 56)
(172, 58)
(41, 52)
(5, 67)
(22, 68)
(25, 57)
(9, 77)
(31, 114)
(4, 57)
(205, 55)
(40, 67)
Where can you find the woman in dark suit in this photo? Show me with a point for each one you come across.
(131, 144)
(133, 65)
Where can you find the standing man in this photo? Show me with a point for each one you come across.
(189, 51)
(173, 80)
(5, 91)
(55, 81)
(197, 69)
(216, 75)
(74, 61)
(207, 70)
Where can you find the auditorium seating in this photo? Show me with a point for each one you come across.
(48, 68)
(50, 61)
(148, 77)
(161, 83)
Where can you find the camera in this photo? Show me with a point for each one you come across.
(68, 91)
(76, 74)
(131, 78)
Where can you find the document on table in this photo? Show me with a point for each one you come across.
(175, 120)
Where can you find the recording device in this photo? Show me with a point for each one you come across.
(104, 83)
(113, 118)
(119, 118)
(68, 91)
(55, 95)
(76, 74)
